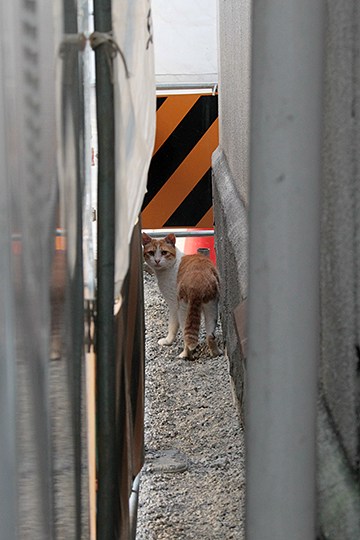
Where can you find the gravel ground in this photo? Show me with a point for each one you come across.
(192, 483)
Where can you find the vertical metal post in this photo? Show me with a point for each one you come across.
(73, 93)
(105, 331)
(287, 58)
(8, 390)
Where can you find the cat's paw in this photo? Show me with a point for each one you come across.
(214, 349)
(165, 341)
(186, 353)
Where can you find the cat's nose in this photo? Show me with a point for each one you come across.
(157, 261)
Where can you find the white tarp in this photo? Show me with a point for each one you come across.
(135, 110)
(185, 38)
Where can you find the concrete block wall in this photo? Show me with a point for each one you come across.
(234, 84)
(339, 403)
(231, 247)
(230, 175)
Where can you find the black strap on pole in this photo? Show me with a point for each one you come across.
(105, 328)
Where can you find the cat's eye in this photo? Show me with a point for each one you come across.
(151, 253)
(164, 252)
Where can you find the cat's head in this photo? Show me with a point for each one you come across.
(159, 253)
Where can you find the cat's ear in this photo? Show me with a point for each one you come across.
(146, 239)
(170, 239)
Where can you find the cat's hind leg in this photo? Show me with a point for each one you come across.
(172, 329)
(185, 353)
(182, 311)
(210, 310)
(188, 328)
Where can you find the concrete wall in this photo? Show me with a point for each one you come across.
(339, 389)
(339, 411)
(230, 177)
(234, 84)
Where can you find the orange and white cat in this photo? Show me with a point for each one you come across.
(190, 286)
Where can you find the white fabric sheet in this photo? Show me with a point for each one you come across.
(135, 117)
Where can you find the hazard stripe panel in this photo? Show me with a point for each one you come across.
(159, 102)
(206, 219)
(196, 203)
(169, 116)
(179, 182)
(178, 145)
(183, 180)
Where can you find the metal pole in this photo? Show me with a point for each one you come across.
(105, 330)
(287, 60)
(72, 94)
(8, 366)
(133, 506)
(180, 233)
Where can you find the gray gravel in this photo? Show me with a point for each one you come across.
(192, 484)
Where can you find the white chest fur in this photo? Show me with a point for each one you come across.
(167, 280)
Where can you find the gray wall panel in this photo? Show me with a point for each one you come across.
(230, 174)
(340, 248)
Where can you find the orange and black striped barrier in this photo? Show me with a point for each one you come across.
(179, 182)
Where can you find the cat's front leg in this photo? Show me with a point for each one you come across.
(172, 330)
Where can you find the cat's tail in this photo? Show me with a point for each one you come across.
(192, 323)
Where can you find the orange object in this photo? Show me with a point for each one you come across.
(193, 243)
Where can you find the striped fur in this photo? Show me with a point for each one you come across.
(197, 293)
